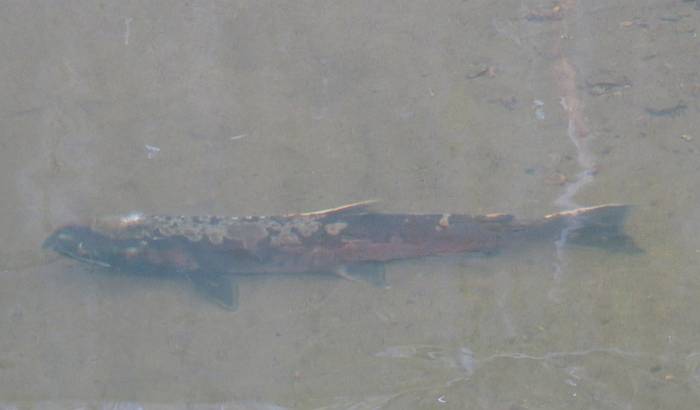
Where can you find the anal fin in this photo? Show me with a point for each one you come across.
(218, 288)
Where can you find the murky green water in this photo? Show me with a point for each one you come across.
(240, 108)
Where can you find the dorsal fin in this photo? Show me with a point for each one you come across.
(496, 217)
(353, 208)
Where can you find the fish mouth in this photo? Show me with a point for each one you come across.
(83, 259)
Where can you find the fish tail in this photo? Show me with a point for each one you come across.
(599, 226)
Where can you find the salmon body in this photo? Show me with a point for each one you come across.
(350, 241)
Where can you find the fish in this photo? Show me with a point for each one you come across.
(351, 241)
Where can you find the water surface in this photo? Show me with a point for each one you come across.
(241, 108)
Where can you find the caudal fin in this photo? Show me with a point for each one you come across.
(601, 226)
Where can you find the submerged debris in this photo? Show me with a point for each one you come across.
(539, 109)
(509, 102)
(552, 14)
(606, 82)
(489, 72)
(151, 151)
(556, 179)
(671, 112)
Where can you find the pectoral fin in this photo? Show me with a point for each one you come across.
(221, 289)
(372, 273)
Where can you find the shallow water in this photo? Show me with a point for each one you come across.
(259, 108)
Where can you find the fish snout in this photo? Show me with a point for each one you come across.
(79, 243)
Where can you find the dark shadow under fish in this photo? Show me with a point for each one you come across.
(348, 241)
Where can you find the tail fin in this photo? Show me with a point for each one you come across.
(600, 226)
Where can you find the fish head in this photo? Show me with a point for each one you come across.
(84, 244)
